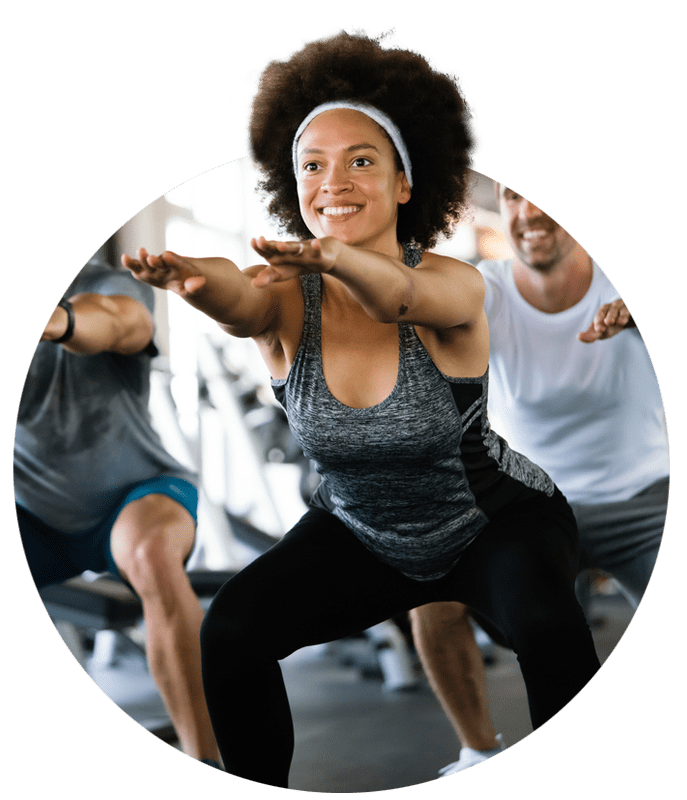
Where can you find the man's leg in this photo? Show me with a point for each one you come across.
(150, 540)
(623, 538)
(633, 576)
(446, 645)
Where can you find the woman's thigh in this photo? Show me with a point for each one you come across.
(317, 584)
(520, 571)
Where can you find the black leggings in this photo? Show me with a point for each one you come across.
(319, 583)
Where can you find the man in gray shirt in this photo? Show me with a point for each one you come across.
(96, 490)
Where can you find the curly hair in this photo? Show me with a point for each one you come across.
(426, 106)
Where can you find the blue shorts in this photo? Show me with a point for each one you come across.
(55, 556)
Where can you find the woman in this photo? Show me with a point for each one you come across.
(378, 349)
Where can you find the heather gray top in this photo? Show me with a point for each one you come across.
(417, 476)
(84, 430)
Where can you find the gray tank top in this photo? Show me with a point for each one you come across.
(416, 477)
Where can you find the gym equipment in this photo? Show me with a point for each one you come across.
(100, 620)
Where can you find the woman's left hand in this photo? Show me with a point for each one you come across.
(288, 260)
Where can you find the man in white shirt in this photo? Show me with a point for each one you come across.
(571, 387)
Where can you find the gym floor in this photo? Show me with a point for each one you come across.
(354, 735)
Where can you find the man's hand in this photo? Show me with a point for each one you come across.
(288, 260)
(608, 321)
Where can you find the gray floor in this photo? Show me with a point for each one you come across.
(352, 735)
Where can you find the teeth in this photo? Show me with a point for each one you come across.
(338, 211)
(537, 233)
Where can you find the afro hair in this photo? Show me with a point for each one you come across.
(425, 105)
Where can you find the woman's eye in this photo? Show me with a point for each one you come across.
(310, 166)
(361, 162)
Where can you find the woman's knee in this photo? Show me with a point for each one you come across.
(239, 628)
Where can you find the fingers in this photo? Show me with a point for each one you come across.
(166, 271)
(590, 335)
(131, 263)
(279, 252)
(138, 265)
(616, 314)
(287, 260)
(609, 320)
(169, 259)
(612, 315)
(266, 248)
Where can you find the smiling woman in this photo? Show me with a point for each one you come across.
(424, 106)
(378, 350)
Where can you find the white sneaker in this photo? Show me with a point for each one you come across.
(470, 757)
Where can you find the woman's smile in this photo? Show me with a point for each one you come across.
(340, 213)
(347, 173)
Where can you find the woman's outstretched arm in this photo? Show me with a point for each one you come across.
(215, 286)
(440, 293)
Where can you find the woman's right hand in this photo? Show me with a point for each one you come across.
(215, 286)
(167, 271)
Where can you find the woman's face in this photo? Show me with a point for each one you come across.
(348, 184)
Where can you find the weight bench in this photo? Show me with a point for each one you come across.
(107, 604)
(99, 619)
(108, 609)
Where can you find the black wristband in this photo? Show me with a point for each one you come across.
(67, 335)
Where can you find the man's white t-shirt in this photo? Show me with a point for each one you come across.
(589, 414)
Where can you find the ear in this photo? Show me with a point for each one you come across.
(405, 191)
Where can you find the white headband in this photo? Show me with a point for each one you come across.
(373, 113)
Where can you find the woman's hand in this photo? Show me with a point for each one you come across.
(167, 271)
(288, 260)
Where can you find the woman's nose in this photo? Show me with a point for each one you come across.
(336, 179)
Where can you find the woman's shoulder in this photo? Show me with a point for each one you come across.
(449, 265)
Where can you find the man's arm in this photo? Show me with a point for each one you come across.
(102, 323)
(608, 321)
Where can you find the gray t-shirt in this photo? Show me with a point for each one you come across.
(84, 430)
